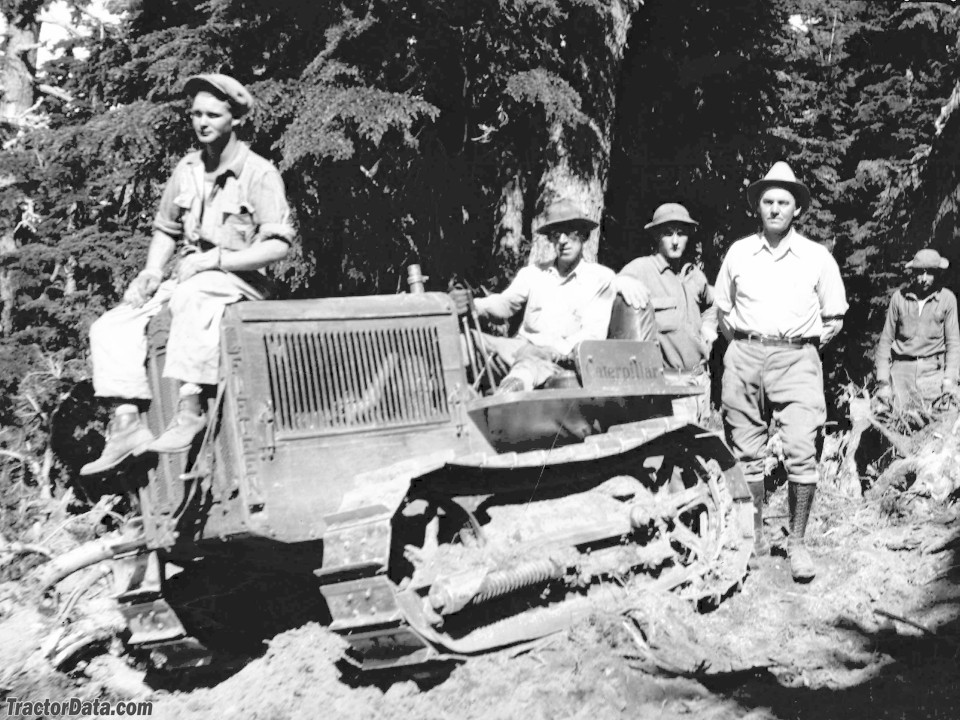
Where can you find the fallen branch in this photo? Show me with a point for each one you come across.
(87, 554)
(905, 621)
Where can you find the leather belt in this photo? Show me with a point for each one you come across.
(775, 340)
(916, 358)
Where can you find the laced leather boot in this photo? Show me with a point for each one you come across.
(800, 500)
(126, 435)
(187, 423)
(761, 547)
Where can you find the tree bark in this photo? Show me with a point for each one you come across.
(510, 218)
(577, 178)
(18, 66)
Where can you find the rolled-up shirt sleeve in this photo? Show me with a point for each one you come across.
(272, 212)
(505, 305)
(167, 219)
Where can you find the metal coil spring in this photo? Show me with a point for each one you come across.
(506, 581)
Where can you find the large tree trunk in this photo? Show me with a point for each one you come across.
(569, 174)
(8, 284)
(510, 219)
(18, 67)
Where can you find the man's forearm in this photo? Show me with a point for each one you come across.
(162, 247)
(831, 328)
(256, 256)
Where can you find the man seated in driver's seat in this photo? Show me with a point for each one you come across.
(564, 302)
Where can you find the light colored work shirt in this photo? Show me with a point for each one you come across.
(678, 301)
(785, 292)
(920, 328)
(559, 310)
(243, 204)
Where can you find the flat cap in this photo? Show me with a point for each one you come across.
(928, 259)
(232, 90)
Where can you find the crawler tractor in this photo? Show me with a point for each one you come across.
(349, 441)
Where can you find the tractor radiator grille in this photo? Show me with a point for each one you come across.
(345, 380)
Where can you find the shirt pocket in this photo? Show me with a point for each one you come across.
(187, 215)
(667, 312)
(237, 228)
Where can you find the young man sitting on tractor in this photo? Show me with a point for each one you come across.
(224, 214)
(564, 303)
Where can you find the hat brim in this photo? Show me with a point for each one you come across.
(196, 83)
(800, 192)
(678, 221)
(578, 221)
(944, 264)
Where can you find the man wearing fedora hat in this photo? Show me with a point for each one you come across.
(564, 301)
(921, 337)
(779, 298)
(224, 217)
(682, 300)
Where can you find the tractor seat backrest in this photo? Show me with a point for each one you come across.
(628, 323)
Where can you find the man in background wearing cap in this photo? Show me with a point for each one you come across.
(682, 301)
(922, 336)
(779, 298)
(224, 215)
(563, 302)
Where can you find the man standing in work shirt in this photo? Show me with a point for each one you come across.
(780, 298)
(921, 336)
(682, 301)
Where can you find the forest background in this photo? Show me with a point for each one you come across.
(433, 131)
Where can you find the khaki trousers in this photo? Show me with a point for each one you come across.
(783, 384)
(696, 408)
(118, 340)
(917, 383)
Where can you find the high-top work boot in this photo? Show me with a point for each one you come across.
(188, 422)
(761, 547)
(800, 500)
(127, 435)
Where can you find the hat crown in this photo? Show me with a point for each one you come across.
(928, 259)
(670, 212)
(564, 211)
(780, 175)
(780, 172)
(236, 94)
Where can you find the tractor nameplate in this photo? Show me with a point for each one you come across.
(619, 363)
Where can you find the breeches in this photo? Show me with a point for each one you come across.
(118, 340)
(783, 384)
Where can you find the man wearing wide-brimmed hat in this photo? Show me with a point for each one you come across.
(920, 336)
(563, 303)
(780, 298)
(680, 296)
(224, 217)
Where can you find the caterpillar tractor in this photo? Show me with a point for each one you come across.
(350, 440)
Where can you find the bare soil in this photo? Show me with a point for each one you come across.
(875, 635)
